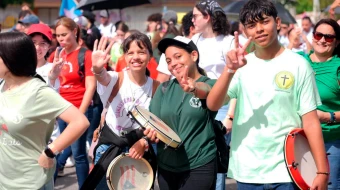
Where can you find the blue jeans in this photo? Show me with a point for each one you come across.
(334, 164)
(220, 180)
(94, 115)
(48, 186)
(102, 185)
(272, 186)
(78, 150)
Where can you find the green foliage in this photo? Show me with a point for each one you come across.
(304, 6)
(4, 3)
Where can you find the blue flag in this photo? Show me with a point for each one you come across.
(69, 9)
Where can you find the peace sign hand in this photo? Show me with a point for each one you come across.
(187, 83)
(100, 54)
(235, 57)
(58, 63)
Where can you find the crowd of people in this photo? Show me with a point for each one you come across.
(71, 85)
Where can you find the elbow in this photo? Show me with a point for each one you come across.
(212, 105)
(82, 122)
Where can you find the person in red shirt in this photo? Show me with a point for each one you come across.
(76, 86)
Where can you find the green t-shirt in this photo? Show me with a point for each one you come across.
(116, 52)
(327, 80)
(272, 96)
(27, 117)
(189, 118)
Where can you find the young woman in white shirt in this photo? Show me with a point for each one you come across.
(134, 87)
(213, 42)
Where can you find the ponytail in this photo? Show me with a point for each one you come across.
(201, 71)
(78, 34)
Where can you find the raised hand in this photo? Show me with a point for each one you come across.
(235, 57)
(187, 83)
(100, 54)
(58, 63)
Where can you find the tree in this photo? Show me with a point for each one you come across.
(304, 6)
(4, 3)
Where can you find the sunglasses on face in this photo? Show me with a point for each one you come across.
(328, 37)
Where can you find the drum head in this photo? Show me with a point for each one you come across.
(299, 159)
(158, 124)
(304, 158)
(128, 173)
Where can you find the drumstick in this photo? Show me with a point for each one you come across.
(232, 105)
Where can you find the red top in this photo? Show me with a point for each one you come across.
(72, 87)
(152, 66)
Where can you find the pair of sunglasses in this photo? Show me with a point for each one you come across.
(328, 37)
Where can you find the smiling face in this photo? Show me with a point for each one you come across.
(178, 58)
(263, 32)
(137, 57)
(41, 45)
(322, 46)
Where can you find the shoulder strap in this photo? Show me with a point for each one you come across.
(155, 85)
(115, 88)
(81, 62)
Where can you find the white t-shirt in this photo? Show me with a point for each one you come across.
(309, 35)
(43, 71)
(128, 96)
(163, 66)
(108, 31)
(284, 41)
(212, 53)
(272, 96)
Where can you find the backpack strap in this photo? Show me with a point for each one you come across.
(155, 85)
(115, 89)
(81, 63)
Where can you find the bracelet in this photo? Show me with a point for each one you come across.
(323, 173)
(231, 71)
(193, 91)
(98, 74)
(146, 143)
(333, 119)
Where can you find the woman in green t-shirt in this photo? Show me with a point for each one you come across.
(28, 111)
(325, 62)
(181, 104)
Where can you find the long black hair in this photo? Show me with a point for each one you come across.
(336, 29)
(19, 54)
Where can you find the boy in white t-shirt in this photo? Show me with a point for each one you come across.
(276, 92)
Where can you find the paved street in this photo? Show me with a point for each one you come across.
(69, 181)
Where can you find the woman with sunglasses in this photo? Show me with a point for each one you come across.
(325, 62)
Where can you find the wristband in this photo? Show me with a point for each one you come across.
(333, 119)
(323, 173)
(49, 153)
(146, 143)
(229, 117)
(231, 71)
(98, 74)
